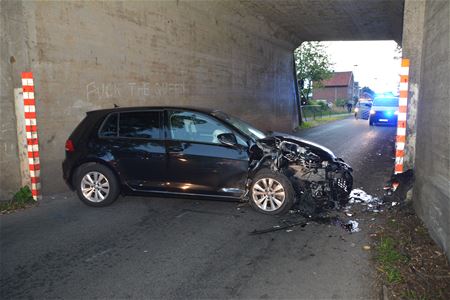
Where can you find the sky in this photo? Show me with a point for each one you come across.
(375, 64)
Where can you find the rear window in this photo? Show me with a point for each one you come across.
(145, 124)
(109, 128)
(391, 102)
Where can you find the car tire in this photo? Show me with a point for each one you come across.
(96, 185)
(271, 192)
(370, 122)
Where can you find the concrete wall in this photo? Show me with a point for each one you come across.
(432, 158)
(413, 27)
(12, 49)
(89, 55)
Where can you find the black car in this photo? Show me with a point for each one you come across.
(170, 150)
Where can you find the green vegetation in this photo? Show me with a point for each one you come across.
(409, 294)
(340, 102)
(388, 257)
(313, 65)
(21, 199)
(324, 120)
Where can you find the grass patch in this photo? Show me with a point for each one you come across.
(21, 199)
(388, 257)
(321, 121)
(408, 261)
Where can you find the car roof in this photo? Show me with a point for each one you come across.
(143, 108)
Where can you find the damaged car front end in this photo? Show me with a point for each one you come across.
(286, 171)
(291, 171)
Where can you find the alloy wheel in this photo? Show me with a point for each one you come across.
(268, 194)
(95, 186)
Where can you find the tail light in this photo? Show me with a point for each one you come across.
(69, 146)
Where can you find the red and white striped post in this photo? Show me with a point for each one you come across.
(401, 123)
(31, 131)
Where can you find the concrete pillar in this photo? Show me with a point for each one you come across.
(432, 159)
(413, 25)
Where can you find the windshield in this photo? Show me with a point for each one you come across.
(392, 102)
(246, 128)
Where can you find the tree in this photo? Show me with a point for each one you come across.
(313, 66)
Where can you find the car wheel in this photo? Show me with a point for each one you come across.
(370, 122)
(271, 192)
(96, 185)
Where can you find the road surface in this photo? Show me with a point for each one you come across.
(180, 248)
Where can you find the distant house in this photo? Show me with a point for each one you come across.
(340, 86)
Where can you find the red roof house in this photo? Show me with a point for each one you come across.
(340, 86)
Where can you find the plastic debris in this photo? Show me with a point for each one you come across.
(353, 226)
(358, 195)
(366, 247)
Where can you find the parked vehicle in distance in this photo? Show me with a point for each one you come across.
(195, 152)
(362, 109)
(384, 111)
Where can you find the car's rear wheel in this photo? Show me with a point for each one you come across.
(271, 192)
(96, 185)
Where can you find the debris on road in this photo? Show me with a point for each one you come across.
(285, 225)
(368, 202)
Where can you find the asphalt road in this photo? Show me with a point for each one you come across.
(180, 248)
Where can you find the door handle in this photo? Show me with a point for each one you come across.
(176, 151)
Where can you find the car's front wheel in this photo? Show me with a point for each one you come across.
(271, 192)
(96, 185)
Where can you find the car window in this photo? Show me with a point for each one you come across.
(392, 102)
(109, 128)
(142, 124)
(196, 127)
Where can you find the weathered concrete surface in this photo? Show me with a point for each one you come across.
(12, 49)
(413, 27)
(334, 20)
(432, 160)
(91, 55)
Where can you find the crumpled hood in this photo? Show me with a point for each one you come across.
(317, 149)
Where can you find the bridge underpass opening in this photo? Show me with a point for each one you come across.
(231, 55)
(355, 73)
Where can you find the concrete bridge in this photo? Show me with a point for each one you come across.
(231, 55)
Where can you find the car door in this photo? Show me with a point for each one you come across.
(139, 149)
(197, 162)
(365, 110)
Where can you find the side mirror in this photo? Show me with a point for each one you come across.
(228, 139)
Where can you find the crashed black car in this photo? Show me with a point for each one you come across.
(194, 152)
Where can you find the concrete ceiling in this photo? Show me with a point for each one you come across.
(327, 20)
